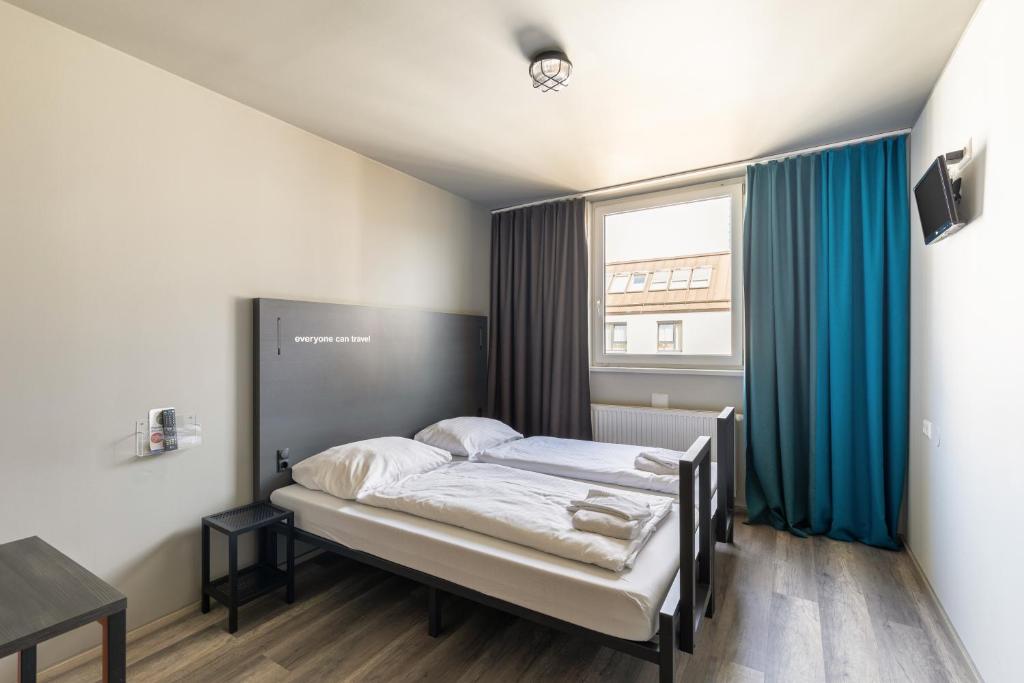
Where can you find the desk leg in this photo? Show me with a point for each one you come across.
(115, 648)
(205, 604)
(27, 665)
(233, 583)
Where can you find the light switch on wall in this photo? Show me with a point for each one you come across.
(659, 400)
(926, 428)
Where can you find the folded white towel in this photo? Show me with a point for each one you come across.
(623, 507)
(606, 524)
(643, 464)
(658, 461)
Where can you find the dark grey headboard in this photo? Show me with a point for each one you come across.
(328, 374)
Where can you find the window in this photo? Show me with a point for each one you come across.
(637, 282)
(617, 284)
(680, 278)
(659, 283)
(676, 254)
(616, 337)
(670, 336)
(701, 278)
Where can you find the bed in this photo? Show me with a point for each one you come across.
(309, 397)
(612, 463)
(624, 605)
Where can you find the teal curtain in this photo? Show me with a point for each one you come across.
(826, 282)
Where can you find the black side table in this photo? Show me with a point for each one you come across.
(239, 587)
(44, 593)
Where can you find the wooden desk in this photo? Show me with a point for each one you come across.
(43, 593)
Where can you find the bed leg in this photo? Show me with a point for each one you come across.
(712, 593)
(686, 637)
(433, 612)
(666, 649)
(707, 531)
(687, 562)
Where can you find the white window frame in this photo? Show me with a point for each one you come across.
(656, 286)
(626, 277)
(599, 358)
(705, 283)
(643, 285)
(677, 336)
(611, 336)
(683, 284)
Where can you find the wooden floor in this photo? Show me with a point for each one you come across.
(790, 609)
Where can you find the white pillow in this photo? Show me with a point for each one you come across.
(353, 468)
(467, 436)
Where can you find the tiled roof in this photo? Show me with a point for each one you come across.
(678, 284)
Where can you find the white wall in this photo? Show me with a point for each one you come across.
(139, 213)
(703, 332)
(965, 484)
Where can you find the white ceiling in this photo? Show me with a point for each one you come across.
(440, 89)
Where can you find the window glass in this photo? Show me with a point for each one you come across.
(667, 261)
(615, 337)
(701, 278)
(659, 281)
(637, 282)
(680, 278)
(670, 336)
(618, 283)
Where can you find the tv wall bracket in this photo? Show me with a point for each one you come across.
(957, 158)
(960, 157)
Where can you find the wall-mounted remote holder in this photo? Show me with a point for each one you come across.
(188, 433)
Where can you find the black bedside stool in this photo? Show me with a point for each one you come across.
(239, 587)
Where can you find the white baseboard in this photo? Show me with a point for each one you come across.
(947, 622)
(133, 635)
(142, 631)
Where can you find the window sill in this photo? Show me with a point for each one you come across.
(707, 372)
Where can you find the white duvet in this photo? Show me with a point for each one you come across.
(514, 505)
(609, 463)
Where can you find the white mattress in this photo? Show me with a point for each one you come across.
(624, 605)
(606, 463)
(647, 492)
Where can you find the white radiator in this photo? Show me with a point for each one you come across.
(657, 427)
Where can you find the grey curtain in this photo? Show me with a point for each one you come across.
(780, 235)
(538, 376)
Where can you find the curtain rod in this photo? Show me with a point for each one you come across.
(705, 169)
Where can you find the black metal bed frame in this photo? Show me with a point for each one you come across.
(444, 379)
(692, 591)
(725, 440)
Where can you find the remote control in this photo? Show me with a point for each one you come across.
(169, 423)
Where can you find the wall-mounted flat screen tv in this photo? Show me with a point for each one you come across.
(937, 202)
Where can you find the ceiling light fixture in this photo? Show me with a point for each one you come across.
(550, 70)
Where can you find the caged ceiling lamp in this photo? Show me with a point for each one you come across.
(550, 70)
